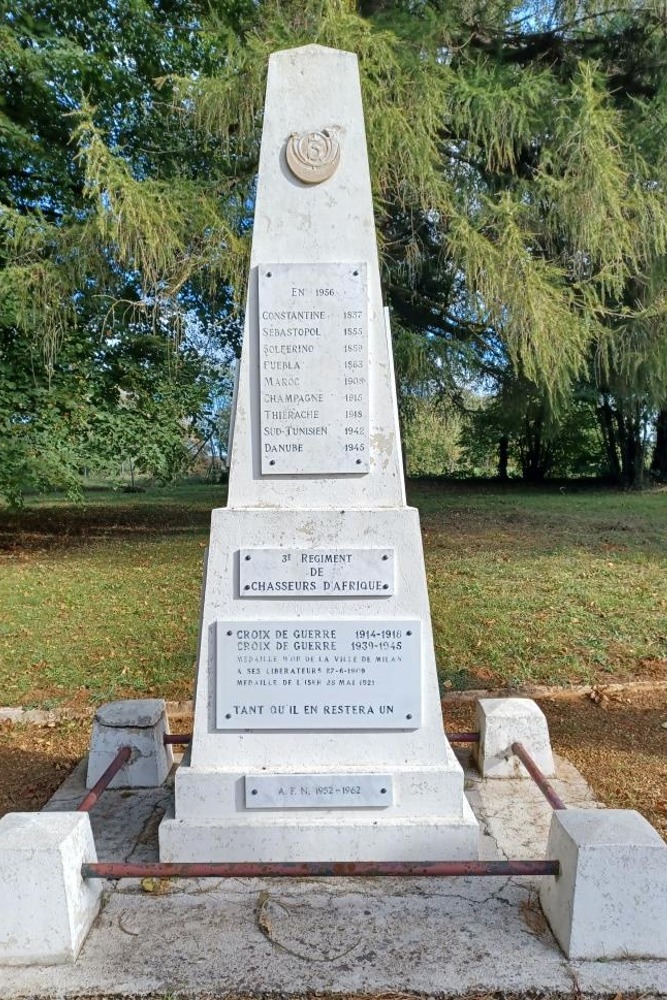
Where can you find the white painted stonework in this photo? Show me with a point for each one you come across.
(610, 900)
(504, 721)
(307, 791)
(140, 724)
(329, 224)
(46, 908)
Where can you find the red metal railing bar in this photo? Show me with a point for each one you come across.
(337, 869)
(307, 869)
(538, 777)
(182, 739)
(122, 757)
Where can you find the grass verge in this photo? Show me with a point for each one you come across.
(100, 601)
(546, 586)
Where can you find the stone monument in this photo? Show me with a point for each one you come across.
(318, 733)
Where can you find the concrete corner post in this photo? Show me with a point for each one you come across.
(46, 908)
(610, 900)
(140, 724)
(504, 721)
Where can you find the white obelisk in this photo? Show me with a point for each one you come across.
(318, 733)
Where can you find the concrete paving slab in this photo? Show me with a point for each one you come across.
(440, 937)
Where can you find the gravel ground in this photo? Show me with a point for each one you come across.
(617, 740)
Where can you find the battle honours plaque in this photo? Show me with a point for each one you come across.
(313, 338)
(322, 674)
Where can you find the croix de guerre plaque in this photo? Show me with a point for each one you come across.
(320, 674)
(317, 734)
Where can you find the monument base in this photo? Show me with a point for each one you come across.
(384, 785)
(284, 838)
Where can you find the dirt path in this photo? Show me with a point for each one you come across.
(618, 741)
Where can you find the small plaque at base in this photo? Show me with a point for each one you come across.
(318, 791)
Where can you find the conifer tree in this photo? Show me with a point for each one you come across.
(517, 167)
(92, 365)
(518, 155)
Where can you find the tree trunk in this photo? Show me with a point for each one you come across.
(503, 458)
(659, 460)
(632, 445)
(367, 8)
(536, 451)
(605, 415)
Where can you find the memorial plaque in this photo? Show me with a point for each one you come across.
(318, 791)
(326, 674)
(313, 349)
(316, 572)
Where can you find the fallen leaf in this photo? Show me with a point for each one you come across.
(158, 886)
(533, 916)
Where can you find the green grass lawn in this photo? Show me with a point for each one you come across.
(101, 601)
(548, 587)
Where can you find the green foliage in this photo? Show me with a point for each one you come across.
(165, 232)
(42, 455)
(509, 142)
(518, 169)
(111, 241)
(431, 439)
(40, 430)
(514, 431)
(130, 397)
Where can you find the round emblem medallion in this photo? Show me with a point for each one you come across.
(313, 156)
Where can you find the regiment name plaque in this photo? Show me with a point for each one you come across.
(313, 349)
(316, 572)
(325, 674)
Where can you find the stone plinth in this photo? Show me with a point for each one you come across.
(46, 908)
(504, 721)
(140, 724)
(610, 900)
(428, 801)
